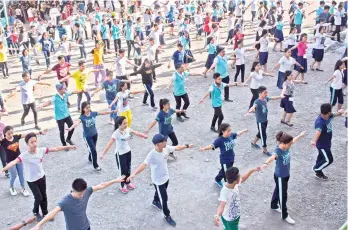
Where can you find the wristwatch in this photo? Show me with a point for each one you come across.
(24, 223)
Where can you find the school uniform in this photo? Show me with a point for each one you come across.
(227, 154)
(291, 43)
(263, 52)
(255, 83)
(281, 179)
(216, 100)
(298, 20)
(180, 91)
(279, 32)
(164, 120)
(261, 112)
(336, 88)
(240, 63)
(323, 145)
(287, 102)
(285, 65)
(211, 55)
(318, 51)
(186, 47)
(301, 57)
(221, 68)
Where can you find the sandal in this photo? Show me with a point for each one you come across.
(289, 124)
(283, 122)
(319, 70)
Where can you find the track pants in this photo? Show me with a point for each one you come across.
(230, 225)
(61, 124)
(149, 91)
(226, 89)
(162, 196)
(222, 171)
(186, 100)
(38, 188)
(218, 116)
(240, 69)
(173, 138)
(26, 108)
(324, 159)
(280, 195)
(262, 135)
(91, 143)
(124, 165)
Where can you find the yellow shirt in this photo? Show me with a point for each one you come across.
(80, 79)
(3, 55)
(98, 55)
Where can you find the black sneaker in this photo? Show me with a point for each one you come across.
(146, 104)
(213, 129)
(228, 100)
(37, 127)
(130, 97)
(38, 217)
(157, 204)
(321, 176)
(184, 115)
(22, 122)
(70, 142)
(180, 119)
(7, 175)
(170, 221)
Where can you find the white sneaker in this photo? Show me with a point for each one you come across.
(277, 210)
(24, 192)
(289, 220)
(13, 191)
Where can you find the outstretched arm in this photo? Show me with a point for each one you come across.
(204, 97)
(76, 123)
(141, 168)
(182, 147)
(139, 134)
(107, 184)
(107, 147)
(298, 137)
(208, 147)
(246, 175)
(151, 125)
(61, 148)
(10, 165)
(242, 132)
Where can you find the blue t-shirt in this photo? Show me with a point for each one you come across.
(75, 211)
(110, 89)
(325, 127)
(226, 146)
(282, 167)
(60, 106)
(261, 110)
(165, 122)
(88, 122)
(221, 66)
(178, 57)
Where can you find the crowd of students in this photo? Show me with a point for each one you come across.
(147, 33)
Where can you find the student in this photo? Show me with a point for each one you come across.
(178, 56)
(338, 14)
(215, 90)
(122, 98)
(278, 35)
(336, 85)
(322, 139)
(33, 171)
(26, 87)
(261, 112)
(282, 173)
(179, 90)
(284, 64)
(301, 56)
(164, 121)
(211, 48)
(61, 112)
(225, 142)
(74, 205)
(256, 77)
(263, 51)
(98, 62)
(240, 60)
(157, 159)
(90, 133)
(120, 66)
(147, 70)
(116, 31)
(229, 209)
(298, 17)
(318, 51)
(10, 145)
(3, 59)
(123, 154)
(291, 40)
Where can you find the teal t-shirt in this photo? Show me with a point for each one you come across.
(221, 66)
(179, 83)
(60, 106)
(216, 94)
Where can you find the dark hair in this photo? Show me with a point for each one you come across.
(322, 2)
(25, 74)
(77, 25)
(24, 51)
(262, 24)
(232, 174)
(302, 36)
(7, 128)
(83, 106)
(264, 32)
(122, 84)
(118, 121)
(81, 63)
(216, 75)
(325, 108)
(255, 63)
(326, 7)
(223, 127)
(109, 73)
(338, 64)
(279, 18)
(60, 57)
(79, 185)
(240, 42)
(284, 138)
(179, 45)
(334, 3)
(28, 136)
(292, 29)
(214, 26)
(163, 102)
(300, 4)
(261, 89)
(321, 27)
(151, 39)
(178, 66)
(286, 50)
(121, 51)
(286, 75)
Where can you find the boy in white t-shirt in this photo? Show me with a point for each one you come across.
(230, 208)
(157, 159)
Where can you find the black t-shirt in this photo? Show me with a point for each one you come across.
(11, 148)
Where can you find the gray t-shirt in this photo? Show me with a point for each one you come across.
(27, 91)
(80, 34)
(75, 211)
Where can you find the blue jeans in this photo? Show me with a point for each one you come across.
(82, 51)
(17, 169)
(148, 91)
(47, 57)
(113, 107)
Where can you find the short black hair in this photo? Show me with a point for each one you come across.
(216, 75)
(28, 136)
(79, 185)
(121, 51)
(326, 7)
(60, 57)
(77, 25)
(25, 73)
(261, 89)
(81, 63)
(178, 66)
(232, 174)
(7, 128)
(325, 108)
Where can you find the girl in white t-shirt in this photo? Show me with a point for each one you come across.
(122, 99)
(230, 206)
(336, 85)
(240, 62)
(123, 151)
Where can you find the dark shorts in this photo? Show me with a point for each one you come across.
(287, 104)
(263, 57)
(318, 54)
(279, 34)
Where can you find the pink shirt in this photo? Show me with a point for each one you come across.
(2, 126)
(301, 49)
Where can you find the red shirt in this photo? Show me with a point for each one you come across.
(62, 70)
(301, 48)
(14, 38)
(206, 25)
(238, 38)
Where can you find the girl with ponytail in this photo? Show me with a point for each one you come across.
(164, 120)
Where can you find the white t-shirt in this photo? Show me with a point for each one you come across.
(147, 19)
(155, 35)
(286, 64)
(256, 79)
(121, 66)
(337, 81)
(337, 17)
(263, 44)
(27, 91)
(232, 208)
(159, 165)
(30, 12)
(18, 12)
(199, 19)
(240, 56)
(319, 41)
(292, 39)
(122, 103)
(65, 48)
(151, 52)
(33, 164)
(230, 22)
(122, 145)
(253, 5)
